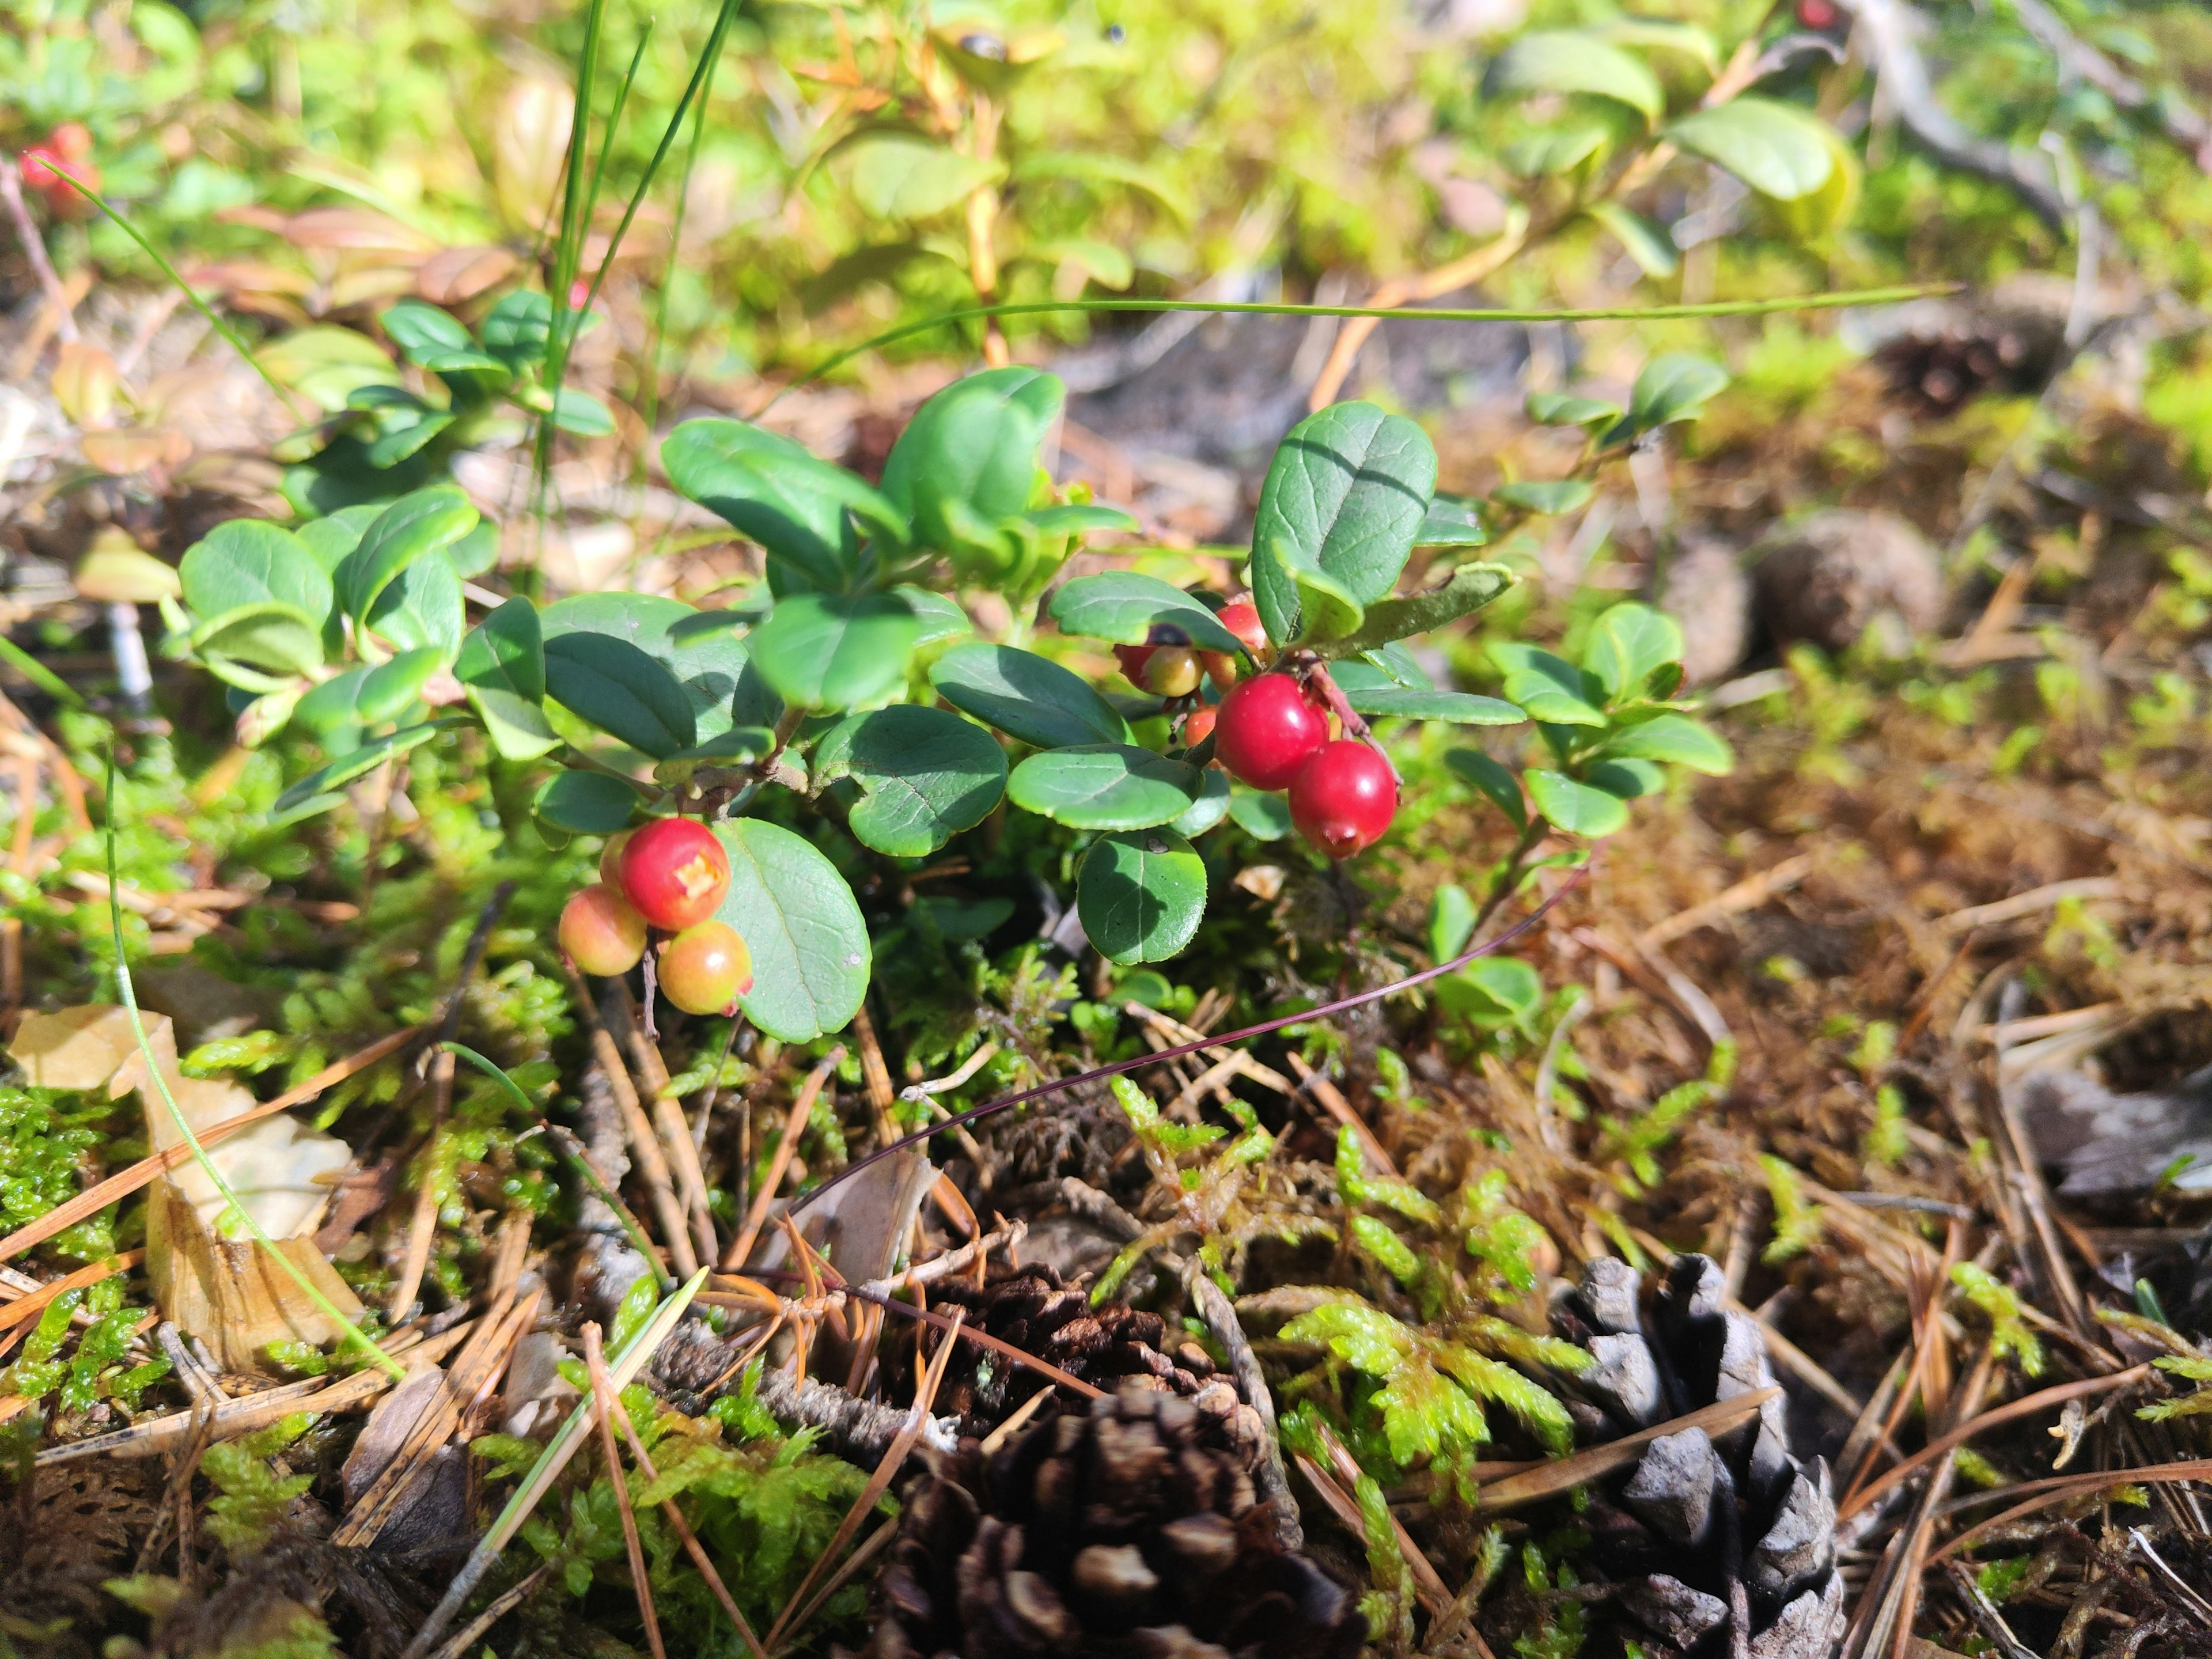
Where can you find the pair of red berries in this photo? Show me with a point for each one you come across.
(67, 149)
(671, 875)
(1168, 670)
(1272, 734)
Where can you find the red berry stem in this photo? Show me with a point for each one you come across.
(1318, 677)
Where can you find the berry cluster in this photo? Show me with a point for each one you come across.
(669, 876)
(1273, 731)
(67, 148)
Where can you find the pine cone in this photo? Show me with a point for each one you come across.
(1701, 1533)
(1127, 1531)
(1032, 1308)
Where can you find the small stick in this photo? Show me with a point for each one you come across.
(603, 1391)
(668, 1118)
(1220, 1316)
(644, 1145)
(801, 1109)
(506, 1603)
(35, 250)
(881, 1097)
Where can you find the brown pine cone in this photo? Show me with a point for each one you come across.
(1032, 1308)
(1127, 1531)
(1703, 1534)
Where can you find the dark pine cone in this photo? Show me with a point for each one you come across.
(1700, 1533)
(1034, 1310)
(1127, 1532)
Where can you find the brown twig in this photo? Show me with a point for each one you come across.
(637, 1130)
(595, 1358)
(802, 1109)
(35, 249)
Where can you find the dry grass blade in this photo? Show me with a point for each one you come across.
(603, 1396)
(1571, 1472)
(802, 1109)
(469, 1634)
(13, 1314)
(870, 1546)
(125, 1183)
(1749, 893)
(668, 1119)
(2059, 1489)
(2025, 1407)
(637, 1130)
(1428, 1586)
(894, 1459)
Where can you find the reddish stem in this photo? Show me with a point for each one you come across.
(1060, 1086)
(1354, 727)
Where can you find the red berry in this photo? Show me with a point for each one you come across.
(1817, 14)
(611, 857)
(1198, 725)
(600, 931)
(1343, 797)
(1265, 729)
(71, 140)
(705, 968)
(1133, 659)
(1242, 619)
(675, 872)
(39, 164)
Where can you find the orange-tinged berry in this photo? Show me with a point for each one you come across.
(601, 933)
(705, 968)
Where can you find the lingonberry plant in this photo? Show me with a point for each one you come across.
(851, 686)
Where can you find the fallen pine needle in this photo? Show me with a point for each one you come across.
(1568, 1472)
(603, 1395)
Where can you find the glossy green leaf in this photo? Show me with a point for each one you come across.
(1140, 895)
(1026, 696)
(1564, 409)
(369, 696)
(248, 562)
(421, 522)
(359, 763)
(1459, 708)
(714, 669)
(1565, 60)
(1494, 780)
(269, 635)
(1776, 149)
(1648, 244)
(613, 685)
(1628, 642)
(800, 509)
(517, 329)
(586, 803)
(904, 176)
(1674, 386)
(819, 651)
(332, 538)
(398, 443)
(1259, 814)
(1078, 519)
(421, 609)
(581, 413)
(1492, 992)
(1467, 590)
(1451, 921)
(1452, 521)
(972, 446)
(1209, 809)
(1123, 606)
(1627, 779)
(1575, 808)
(1551, 690)
(1345, 496)
(503, 666)
(924, 775)
(1543, 496)
(420, 329)
(799, 919)
(939, 615)
(1555, 149)
(1675, 740)
(1105, 787)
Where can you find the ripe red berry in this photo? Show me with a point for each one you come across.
(1265, 729)
(611, 857)
(1133, 659)
(600, 931)
(675, 872)
(705, 968)
(1343, 797)
(1817, 14)
(1198, 725)
(1241, 618)
(39, 163)
(71, 140)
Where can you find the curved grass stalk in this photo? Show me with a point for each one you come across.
(354, 1333)
(1842, 299)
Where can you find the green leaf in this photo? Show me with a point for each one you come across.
(1345, 499)
(715, 670)
(586, 803)
(368, 696)
(502, 666)
(1674, 386)
(1123, 607)
(1568, 61)
(1648, 244)
(269, 635)
(1101, 261)
(1209, 809)
(359, 763)
(582, 414)
(1451, 921)
(1105, 787)
(1542, 496)
(1627, 779)
(397, 444)
(817, 651)
(610, 684)
(1777, 149)
(1576, 808)
(1460, 707)
(1564, 409)
(1078, 519)
(248, 562)
(331, 538)
(1467, 590)
(1556, 149)
(419, 522)
(1550, 689)
(1686, 38)
(422, 608)
(973, 446)
(1140, 895)
(924, 775)
(518, 329)
(1629, 642)
(1493, 780)
(1676, 741)
(809, 943)
(899, 176)
(1452, 521)
(1026, 696)
(420, 329)
(1262, 815)
(1491, 991)
(939, 615)
(1096, 168)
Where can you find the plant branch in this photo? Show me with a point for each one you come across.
(35, 250)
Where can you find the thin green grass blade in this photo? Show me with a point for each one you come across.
(1841, 300)
(607, 144)
(38, 673)
(660, 331)
(130, 995)
(228, 333)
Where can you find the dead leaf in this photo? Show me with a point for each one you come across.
(85, 382)
(135, 449)
(454, 274)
